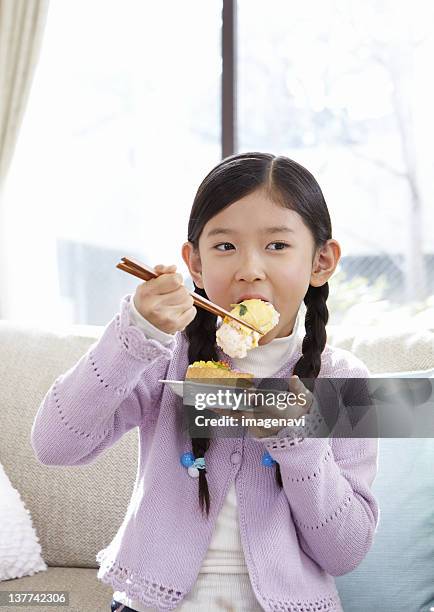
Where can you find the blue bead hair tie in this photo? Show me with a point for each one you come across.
(267, 459)
(193, 465)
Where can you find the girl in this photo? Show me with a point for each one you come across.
(239, 532)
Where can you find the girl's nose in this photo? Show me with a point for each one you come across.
(250, 270)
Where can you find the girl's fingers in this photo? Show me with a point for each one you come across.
(236, 413)
(296, 384)
(225, 412)
(162, 269)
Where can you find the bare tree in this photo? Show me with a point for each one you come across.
(397, 60)
(287, 124)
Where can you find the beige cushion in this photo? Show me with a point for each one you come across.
(86, 592)
(385, 349)
(76, 511)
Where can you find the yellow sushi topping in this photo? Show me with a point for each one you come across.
(211, 364)
(256, 312)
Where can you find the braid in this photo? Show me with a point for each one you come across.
(202, 346)
(309, 364)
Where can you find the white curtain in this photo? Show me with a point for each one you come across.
(22, 24)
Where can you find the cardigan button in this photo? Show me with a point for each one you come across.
(236, 458)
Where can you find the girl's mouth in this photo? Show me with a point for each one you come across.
(252, 296)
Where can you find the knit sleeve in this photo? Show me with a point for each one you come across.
(111, 389)
(327, 482)
(328, 487)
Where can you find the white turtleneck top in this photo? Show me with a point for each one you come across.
(225, 553)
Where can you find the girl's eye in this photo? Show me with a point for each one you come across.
(281, 244)
(222, 244)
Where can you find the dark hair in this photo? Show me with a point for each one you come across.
(290, 185)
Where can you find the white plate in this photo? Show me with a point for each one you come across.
(177, 387)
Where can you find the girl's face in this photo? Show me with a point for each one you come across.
(254, 248)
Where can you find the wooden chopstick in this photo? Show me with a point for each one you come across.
(139, 269)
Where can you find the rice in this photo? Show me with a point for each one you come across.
(236, 339)
(234, 342)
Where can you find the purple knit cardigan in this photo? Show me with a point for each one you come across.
(295, 539)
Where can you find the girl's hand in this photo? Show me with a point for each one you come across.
(165, 301)
(294, 411)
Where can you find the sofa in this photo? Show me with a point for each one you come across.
(77, 510)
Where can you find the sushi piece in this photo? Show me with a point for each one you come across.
(213, 369)
(235, 339)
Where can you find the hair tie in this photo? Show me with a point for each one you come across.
(193, 465)
(267, 459)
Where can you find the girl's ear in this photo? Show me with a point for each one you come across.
(325, 262)
(191, 257)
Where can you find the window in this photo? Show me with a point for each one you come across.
(341, 87)
(122, 124)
